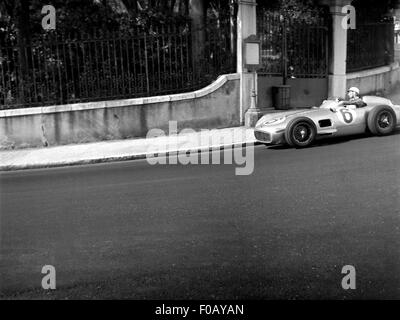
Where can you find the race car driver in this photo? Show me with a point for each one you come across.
(354, 99)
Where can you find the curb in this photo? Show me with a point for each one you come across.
(127, 158)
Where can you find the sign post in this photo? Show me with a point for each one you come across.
(252, 58)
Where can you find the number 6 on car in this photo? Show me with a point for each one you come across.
(346, 115)
(300, 128)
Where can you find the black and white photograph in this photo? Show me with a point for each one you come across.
(199, 154)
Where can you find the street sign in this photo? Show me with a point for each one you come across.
(252, 53)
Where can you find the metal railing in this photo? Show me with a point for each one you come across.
(59, 69)
(297, 49)
(370, 45)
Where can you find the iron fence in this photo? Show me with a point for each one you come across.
(60, 69)
(370, 45)
(293, 48)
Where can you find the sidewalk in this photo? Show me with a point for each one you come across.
(130, 149)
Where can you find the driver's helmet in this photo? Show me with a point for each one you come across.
(354, 89)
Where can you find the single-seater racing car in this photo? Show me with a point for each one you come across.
(300, 128)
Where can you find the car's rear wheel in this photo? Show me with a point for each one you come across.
(382, 120)
(300, 132)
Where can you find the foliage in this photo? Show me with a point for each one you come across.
(303, 11)
(368, 10)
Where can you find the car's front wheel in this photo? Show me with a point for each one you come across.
(382, 120)
(300, 132)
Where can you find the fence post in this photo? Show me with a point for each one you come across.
(146, 64)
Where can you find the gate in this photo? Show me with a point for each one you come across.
(370, 45)
(295, 53)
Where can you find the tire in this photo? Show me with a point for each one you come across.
(300, 132)
(381, 120)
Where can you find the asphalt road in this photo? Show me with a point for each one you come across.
(132, 230)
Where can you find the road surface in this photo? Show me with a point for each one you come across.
(133, 230)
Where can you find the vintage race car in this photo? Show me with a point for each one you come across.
(300, 128)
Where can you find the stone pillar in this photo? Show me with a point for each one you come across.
(337, 68)
(246, 26)
(397, 43)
